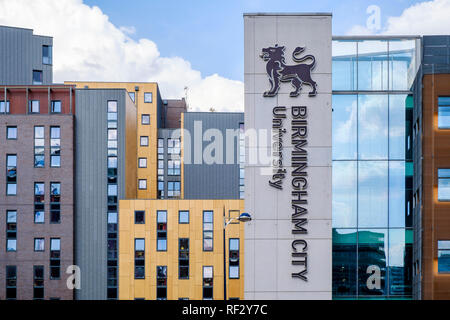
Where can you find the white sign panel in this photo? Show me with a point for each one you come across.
(288, 245)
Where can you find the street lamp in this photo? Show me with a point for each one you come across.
(243, 217)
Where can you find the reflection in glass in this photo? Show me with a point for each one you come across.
(397, 207)
(444, 256)
(372, 254)
(444, 184)
(397, 119)
(373, 127)
(400, 261)
(344, 127)
(444, 112)
(344, 65)
(402, 64)
(373, 194)
(344, 194)
(344, 262)
(372, 65)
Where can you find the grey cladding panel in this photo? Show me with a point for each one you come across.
(20, 54)
(212, 181)
(91, 186)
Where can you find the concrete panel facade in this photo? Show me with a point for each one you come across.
(293, 266)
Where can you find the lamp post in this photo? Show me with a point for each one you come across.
(243, 217)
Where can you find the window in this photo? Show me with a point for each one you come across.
(233, 258)
(11, 282)
(47, 54)
(144, 141)
(173, 189)
(132, 96)
(142, 162)
(173, 146)
(444, 112)
(142, 184)
(11, 174)
(183, 258)
(139, 217)
(2, 106)
(112, 274)
(160, 187)
(34, 106)
(55, 147)
(173, 167)
(56, 106)
(55, 258)
(145, 119)
(148, 97)
(11, 231)
(444, 184)
(38, 282)
(55, 202)
(39, 149)
(183, 217)
(39, 244)
(161, 283)
(39, 205)
(37, 77)
(208, 283)
(11, 133)
(444, 256)
(160, 146)
(161, 231)
(139, 258)
(241, 160)
(208, 227)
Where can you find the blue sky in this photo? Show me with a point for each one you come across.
(209, 33)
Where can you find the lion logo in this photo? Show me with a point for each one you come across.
(278, 71)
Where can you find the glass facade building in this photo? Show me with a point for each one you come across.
(372, 166)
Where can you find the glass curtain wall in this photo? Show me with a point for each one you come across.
(372, 167)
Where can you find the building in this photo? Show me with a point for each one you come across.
(343, 166)
(173, 249)
(37, 191)
(432, 160)
(372, 165)
(106, 170)
(169, 186)
(25, 58)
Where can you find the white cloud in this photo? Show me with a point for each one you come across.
(88, 46)
(424, 18)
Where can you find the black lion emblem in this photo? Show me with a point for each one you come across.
(278, 71)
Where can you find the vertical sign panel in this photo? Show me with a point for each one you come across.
(288, 245)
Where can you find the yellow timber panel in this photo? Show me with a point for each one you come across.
(191, 288)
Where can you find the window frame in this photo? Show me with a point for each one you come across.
(7, 132)
(37, 83)
(34, 247)
(49, 57)
(445, 250)
(135, 215)
(438, 182)
(161, 234)
(145, 97)
(203, 231)
(139, 162)
(52, 106)
(179, 216)
(139, 184)
(140, 141)
(446, 106)
(142, 119)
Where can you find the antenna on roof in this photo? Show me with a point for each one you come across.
(186, 89)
